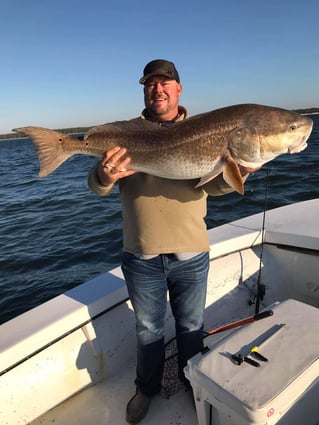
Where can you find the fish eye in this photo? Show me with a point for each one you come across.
(292, 127)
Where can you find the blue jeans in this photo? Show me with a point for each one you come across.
(147, 282)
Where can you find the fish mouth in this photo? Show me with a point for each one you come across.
(298, 147)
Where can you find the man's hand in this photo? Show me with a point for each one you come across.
(112, 166)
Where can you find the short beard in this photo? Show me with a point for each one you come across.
(153, 111)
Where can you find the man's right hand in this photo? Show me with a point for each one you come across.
(113, 166)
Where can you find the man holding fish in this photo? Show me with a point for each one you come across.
(166, 165)
(165, 242)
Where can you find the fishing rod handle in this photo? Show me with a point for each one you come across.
(263, 314)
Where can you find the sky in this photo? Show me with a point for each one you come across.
(68, 63)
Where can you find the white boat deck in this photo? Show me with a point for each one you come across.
(77, 351)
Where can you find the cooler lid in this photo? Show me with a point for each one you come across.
(290, 351)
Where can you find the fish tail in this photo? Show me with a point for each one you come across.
(49, 145)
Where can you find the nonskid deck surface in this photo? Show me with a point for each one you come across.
(105, 403)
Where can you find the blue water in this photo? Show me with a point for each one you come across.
(55, 234)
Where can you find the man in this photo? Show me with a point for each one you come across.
(165, 243)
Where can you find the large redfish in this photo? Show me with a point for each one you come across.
(202, 146)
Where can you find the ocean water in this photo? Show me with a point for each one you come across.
(55, 234)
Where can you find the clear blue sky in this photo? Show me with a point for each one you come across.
(77, 62)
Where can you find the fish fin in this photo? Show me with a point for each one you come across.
(135, 124)
(232, 176)
(49, 145)
(207, 178)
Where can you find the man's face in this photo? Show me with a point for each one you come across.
(161, 96)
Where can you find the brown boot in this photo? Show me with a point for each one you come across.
(137, 407)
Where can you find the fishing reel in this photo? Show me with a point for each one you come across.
(261, 292)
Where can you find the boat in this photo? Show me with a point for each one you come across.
(71, 360)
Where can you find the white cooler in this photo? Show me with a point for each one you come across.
(284, 390)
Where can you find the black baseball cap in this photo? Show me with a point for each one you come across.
(159, 67)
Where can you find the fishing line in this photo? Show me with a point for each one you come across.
(261, 289)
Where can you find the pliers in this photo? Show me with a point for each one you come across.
(239, 358)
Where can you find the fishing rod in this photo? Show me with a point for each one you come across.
(241, 322)
(261, 289)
